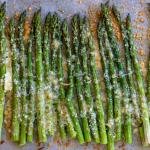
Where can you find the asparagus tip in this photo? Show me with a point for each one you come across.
(3, 5)
(64, 22)
(76, 16)
(85, 19)
(38, 12)
(107, 3)
(55, 15)
(128, 17)
(102, 5)
(23, 16)
(114, 8)
(48, 18)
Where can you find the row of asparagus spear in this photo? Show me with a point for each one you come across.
(48, 100)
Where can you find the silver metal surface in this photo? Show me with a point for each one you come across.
(66, 8)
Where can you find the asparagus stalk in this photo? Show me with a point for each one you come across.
(108, 86)
(2, 62)
(55, 45)
(86, 81)
(122, 78)
(30, 88)
(22, 61)
(128, 63)
(67, 46)
(70, 126)
(73, 70)
(69, 122)
(130, 79)
(62, 98)
(47, 89)
(140, 84)
(115, 86)
(96, 87)
(55, 34)
(40, 104)
(148, 84)
(16, 83)
(70, 105)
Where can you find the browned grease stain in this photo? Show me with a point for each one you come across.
(27, 29)
(94, 18)
(2, 142)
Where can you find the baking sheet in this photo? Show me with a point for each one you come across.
(66, 9)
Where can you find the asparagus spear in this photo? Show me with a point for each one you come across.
(16, 83)
(2, 62)
(130, 79)
(122, 78)
(55, 44)
(86, 81)
(108, 86)
(140, 84)
(47, 89)
(62, 98)
(69, 122)
(148, 84)
(67, 46)
(96, 86)
(74, 73)
(30, 88)
(128, 63)
(115, 86)
(71, 107)
(22, 62)
(55, 34)
(40, 104)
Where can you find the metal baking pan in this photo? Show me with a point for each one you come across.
(66, 8)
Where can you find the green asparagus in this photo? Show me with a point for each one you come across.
(69, 123)
(71, 107)
(22, 62)
(30, 88)
(69, 56)
(115, 86)
(130, 79)
(122, 78)
(78, 84)
(2, 62)
(139, 80)
(128, 63)
(16, 84)
(86, 81)
(96, 86)
(40, 104)
(47, 89)
(55, 26)
(108, 87)
(148, 84)
(62, 97)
